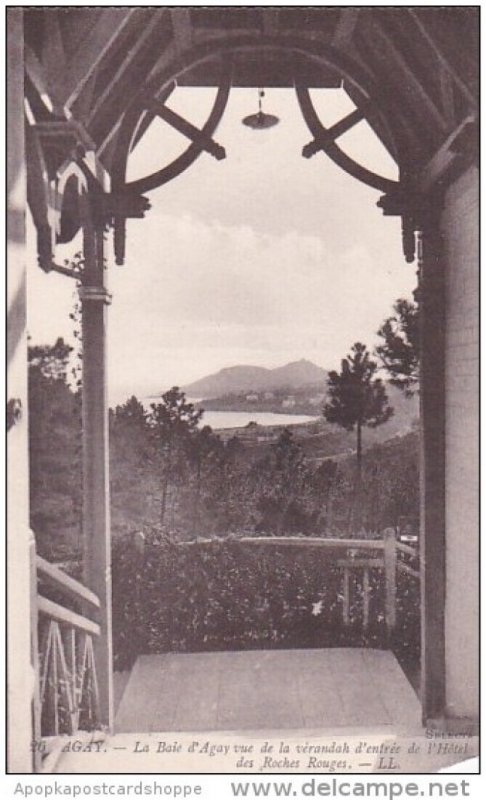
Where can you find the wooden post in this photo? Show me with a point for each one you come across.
(346, 596)
(432, 468)
(96, 520)
(390, 558)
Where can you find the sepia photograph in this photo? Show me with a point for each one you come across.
(242, 389)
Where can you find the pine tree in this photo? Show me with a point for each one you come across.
(174, 422)
(399, 353)
(356, 398)
(280, 479)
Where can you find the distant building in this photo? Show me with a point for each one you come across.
(269, 395)
(252, 398)
(266, 436)
(288, 402)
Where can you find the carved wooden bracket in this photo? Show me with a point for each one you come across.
(415, 209)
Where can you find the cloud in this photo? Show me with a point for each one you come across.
(218, 294)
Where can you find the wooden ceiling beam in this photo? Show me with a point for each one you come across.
(168, 56)
(398, 66)
(116, 86)
(181, 25)
(458, 147)
(445, 63)
(342, 38)
(107, 146)
(270, 21)
(53, 59)
(37, 74)
(345, 28)
(69, 80)
(447, 94)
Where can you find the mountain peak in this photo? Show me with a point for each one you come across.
(243, 378)
(301, 361)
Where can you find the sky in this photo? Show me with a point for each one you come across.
(263, 258)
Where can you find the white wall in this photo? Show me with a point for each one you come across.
(460, 228)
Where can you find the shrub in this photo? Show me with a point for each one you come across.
(228, 595)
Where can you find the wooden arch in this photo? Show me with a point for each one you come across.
(150, 102)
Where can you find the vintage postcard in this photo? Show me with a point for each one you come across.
(243, 358)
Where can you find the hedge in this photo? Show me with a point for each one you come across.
(228, 595)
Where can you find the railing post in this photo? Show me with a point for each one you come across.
(366, 597)
(34, 643)
(390, 559)
(346, 595)
(96, 519)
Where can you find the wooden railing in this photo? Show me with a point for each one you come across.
(385, 554)
(390, 561)
(67, 697)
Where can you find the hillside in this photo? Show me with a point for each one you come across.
(233, 380)
(309, 399)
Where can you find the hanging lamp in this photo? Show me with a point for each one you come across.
(260, 120)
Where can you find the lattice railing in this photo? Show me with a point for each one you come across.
(67, 696)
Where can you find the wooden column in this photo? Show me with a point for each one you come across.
(96, 511)
(432, 490)
(20, 673)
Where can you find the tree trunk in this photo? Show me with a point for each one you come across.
(197, 499)
(165, 483)
(283, 515)
(354, 515)
(163, 501)
(359, 450)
